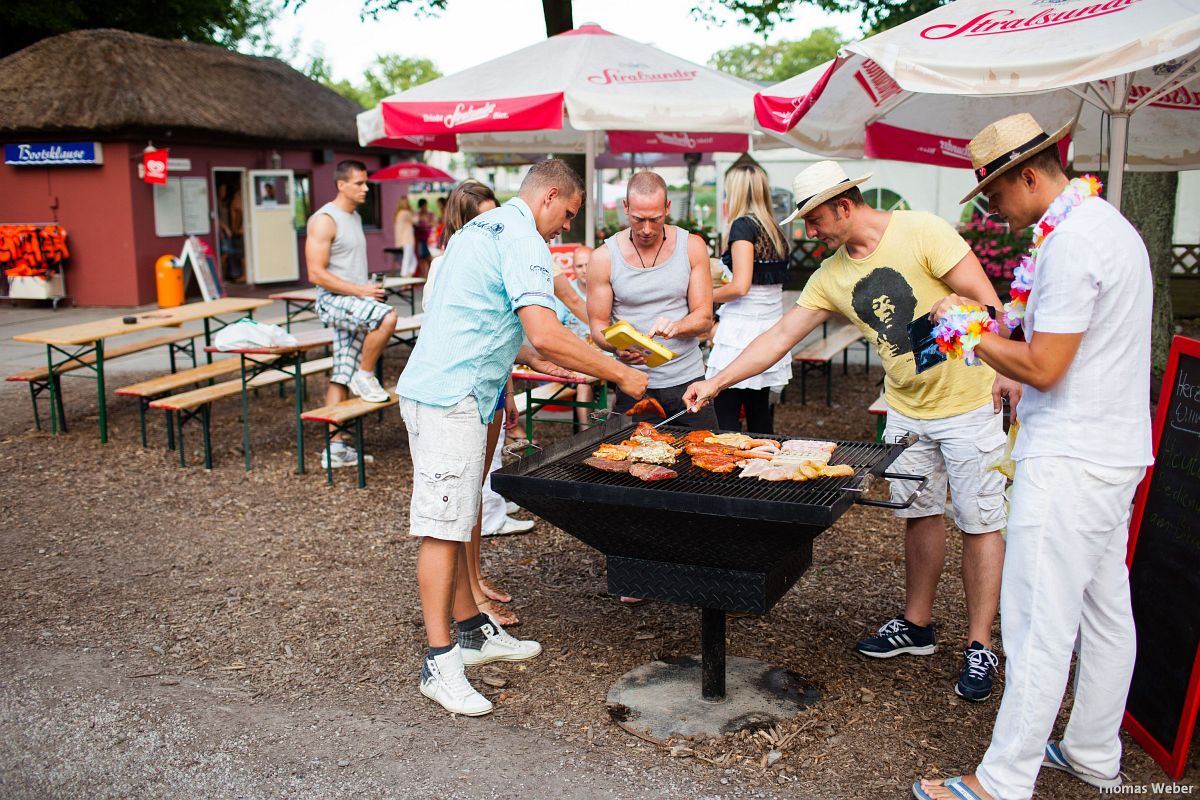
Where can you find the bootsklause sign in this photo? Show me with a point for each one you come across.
(53, 154)
(1008, 20)
(154, 166)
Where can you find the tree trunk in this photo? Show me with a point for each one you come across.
(559, 19)
(1149, 203)
(558, 16)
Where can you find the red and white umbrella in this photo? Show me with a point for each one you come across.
(1123, 70)
(412, 171)
(558, 94)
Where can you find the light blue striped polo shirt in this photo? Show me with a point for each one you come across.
(496, 264)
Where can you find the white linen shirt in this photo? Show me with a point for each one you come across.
(496, 264)
(1092, 276)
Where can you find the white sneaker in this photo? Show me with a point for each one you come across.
(366, 386)
(489, 642)
(513, 526)
(511, 508)
(444, 681)
(344, 456)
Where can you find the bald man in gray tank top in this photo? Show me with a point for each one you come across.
(656, 277)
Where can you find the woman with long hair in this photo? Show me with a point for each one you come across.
(468, 200)
(405, 237)
(756, 264)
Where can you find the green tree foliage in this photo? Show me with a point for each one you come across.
(776, 62)
(228, 23)
(763, 15)
(387, 76)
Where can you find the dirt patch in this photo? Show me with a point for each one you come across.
(294, 605)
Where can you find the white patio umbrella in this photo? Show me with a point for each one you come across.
(596, 80)
(1124, 70)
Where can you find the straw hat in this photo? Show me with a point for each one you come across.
(1006, 143)
(818, 183)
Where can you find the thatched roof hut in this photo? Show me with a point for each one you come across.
(120, 83)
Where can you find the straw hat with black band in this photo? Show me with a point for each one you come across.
(814, 185)
(1005, 143)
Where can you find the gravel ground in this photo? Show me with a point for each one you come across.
(174, 632)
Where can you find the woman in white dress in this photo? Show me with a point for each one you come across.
(756, 264)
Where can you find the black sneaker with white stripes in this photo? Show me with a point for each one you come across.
(898, 636)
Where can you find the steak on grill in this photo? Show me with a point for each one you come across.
(652, 472)
(607, 465)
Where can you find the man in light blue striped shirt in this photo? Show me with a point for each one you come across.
(494, 289)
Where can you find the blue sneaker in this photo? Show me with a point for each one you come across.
(898, 636)
(978, 672)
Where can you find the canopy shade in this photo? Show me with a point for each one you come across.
(412, 171)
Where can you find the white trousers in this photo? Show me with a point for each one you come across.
(1064, 577)
(494, 506)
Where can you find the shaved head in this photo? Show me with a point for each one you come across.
(647, 185)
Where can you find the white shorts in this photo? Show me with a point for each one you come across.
(447, 448)
(958, 452)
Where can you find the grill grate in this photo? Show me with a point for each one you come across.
(863, 456)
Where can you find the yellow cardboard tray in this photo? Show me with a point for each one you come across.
(623, 336)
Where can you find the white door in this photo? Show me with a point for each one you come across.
(271, 251)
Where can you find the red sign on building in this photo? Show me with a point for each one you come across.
(154, 164)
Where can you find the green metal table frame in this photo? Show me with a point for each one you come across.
(535, 404)
(249, 370)
(96, 348)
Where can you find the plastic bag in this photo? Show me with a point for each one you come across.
(246, 333)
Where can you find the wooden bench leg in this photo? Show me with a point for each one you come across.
(57, 397)
(206, 421)
(327, 456)
(33, 396)
(179, 437)
(170, 430)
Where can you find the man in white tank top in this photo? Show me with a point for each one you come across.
(347, 300)
(656, 277)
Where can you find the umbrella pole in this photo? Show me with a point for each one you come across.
(1120, 140)
(589, 214)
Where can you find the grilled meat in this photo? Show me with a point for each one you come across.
(716, 463)
(697, 437)
(657, 453)
(607, 465)
(647, 405)
(612, 452)
(651, 472)
(647, 430)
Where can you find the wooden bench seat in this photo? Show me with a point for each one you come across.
(198, 402)
(39, 377)
(147, 390)
(818, 357)
(339, 418)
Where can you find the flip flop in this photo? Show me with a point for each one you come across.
(1056, 760)
(632, 601)
(499, 613)
(955, 785)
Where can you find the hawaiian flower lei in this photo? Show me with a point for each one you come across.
(960, 329)
(1078, 190)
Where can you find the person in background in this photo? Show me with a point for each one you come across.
(756, 264)
(580, 259)
(404, 237)
(348, 300)
(496, 289)
(1087, 320)
(423, 227)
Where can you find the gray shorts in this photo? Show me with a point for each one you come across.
(351, 318)
(956, 452)
(447, 447)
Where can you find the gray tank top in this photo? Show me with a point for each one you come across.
(640, 296)
(348, 252)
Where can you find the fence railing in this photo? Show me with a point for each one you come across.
(1185, 259)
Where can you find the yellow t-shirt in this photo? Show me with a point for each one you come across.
(890, 288)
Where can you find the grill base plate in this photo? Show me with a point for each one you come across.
(660, 700)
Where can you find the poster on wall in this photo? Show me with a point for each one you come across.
(197, 257)
(181, 207)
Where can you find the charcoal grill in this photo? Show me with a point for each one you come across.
(712, 541)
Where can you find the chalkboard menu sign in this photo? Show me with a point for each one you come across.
(1164, 571)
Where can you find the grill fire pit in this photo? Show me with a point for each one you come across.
(716, 542)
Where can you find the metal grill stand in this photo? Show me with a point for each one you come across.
(714, 542)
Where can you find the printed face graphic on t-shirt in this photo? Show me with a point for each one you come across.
(885, 302)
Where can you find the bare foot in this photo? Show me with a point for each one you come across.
(938, 791)
(502, 614)
(493, 591)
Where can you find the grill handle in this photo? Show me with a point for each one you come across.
(924, 479)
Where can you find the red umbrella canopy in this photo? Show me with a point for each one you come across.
(412, 171)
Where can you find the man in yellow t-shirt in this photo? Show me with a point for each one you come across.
(888, 269)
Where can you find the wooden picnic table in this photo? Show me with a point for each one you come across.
(288, 356)
(298, 301)
(84, 343)
(548, 390)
